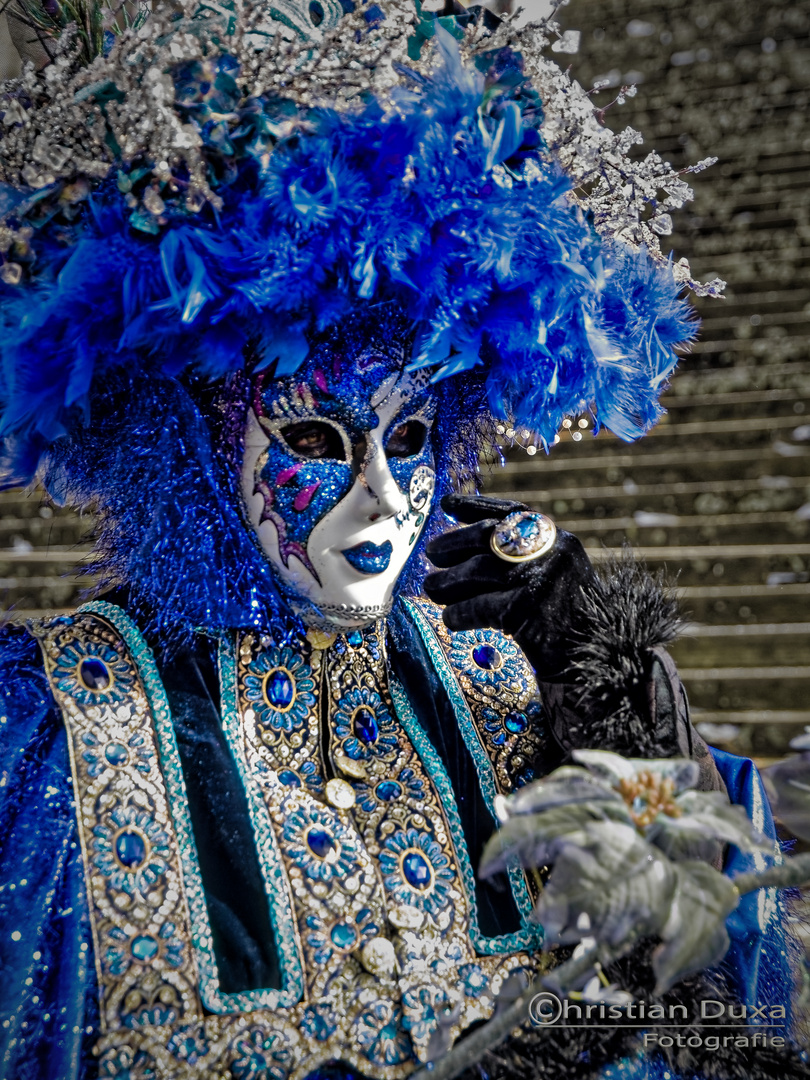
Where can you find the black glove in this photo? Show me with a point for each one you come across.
(538, 603)
(595, 642)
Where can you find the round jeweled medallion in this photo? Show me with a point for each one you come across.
(487, 657)
(365, 725)
(523, 536)
(116, 753)
(343, 936)
(320, 842)
(388, 790)
(144, 947)
(516, 723)
(130, 847)
(416, 870)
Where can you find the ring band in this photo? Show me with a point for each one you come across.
(522, 536)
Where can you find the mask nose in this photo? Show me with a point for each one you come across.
(376, 477)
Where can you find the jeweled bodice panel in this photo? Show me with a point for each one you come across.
(369, 884)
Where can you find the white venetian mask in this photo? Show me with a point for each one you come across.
(338, 479)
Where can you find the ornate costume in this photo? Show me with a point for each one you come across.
(285, 278)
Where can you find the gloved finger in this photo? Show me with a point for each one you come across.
(570, 557)
(482, 573)
(469, 573)
(478, 611)
(469, 509)
(458, 545)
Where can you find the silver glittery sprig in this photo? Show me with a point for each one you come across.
(629, 200)
(69, 125)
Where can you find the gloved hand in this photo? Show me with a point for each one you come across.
(596, 643)
(536, 602)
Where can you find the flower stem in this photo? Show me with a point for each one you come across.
(470, 1050)
(795, 871)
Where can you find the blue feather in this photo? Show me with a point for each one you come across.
(412, 204)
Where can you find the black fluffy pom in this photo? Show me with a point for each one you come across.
(620, 691)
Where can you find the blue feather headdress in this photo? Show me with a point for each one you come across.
(268, 190)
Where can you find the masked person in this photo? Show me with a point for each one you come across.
(245, 790)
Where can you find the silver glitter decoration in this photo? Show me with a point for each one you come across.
(59, 124)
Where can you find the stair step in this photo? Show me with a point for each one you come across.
(738, 630)
(751, 716)
(790, 406)
(744, 244)
(745, 673)
(740, 398)
(748, 278)
(670, 466)
(67, 556)
(741, 687)
(786, 345)
(750, 604)
(760, 120)
(736, 304)
(752, 530)
(672, 425)
(709, 552)
(693, 565)
(764, 494)
(644, 520)
(59, 532)
(715, 326)
(711, 647)
(740, 375)
(34, 508)
(784, 437)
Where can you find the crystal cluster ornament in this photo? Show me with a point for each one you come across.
(183, 93)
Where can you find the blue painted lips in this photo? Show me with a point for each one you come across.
(370, 558)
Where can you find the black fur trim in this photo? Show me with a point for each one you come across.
(606, 697)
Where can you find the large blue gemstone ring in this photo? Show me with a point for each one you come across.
(523, 536)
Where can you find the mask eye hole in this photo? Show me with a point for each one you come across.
(314, 439)
(406, 439)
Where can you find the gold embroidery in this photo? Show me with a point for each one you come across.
(373, 890)
(140, 918)
(500, 688)
(399, 923)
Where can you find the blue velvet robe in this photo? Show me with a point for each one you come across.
(48, 993)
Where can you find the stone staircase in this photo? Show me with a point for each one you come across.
(41, 548)
(719, 492)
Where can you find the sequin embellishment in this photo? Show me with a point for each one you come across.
(368, 899)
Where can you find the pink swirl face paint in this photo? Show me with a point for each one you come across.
(287, 474)
(304, 497)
